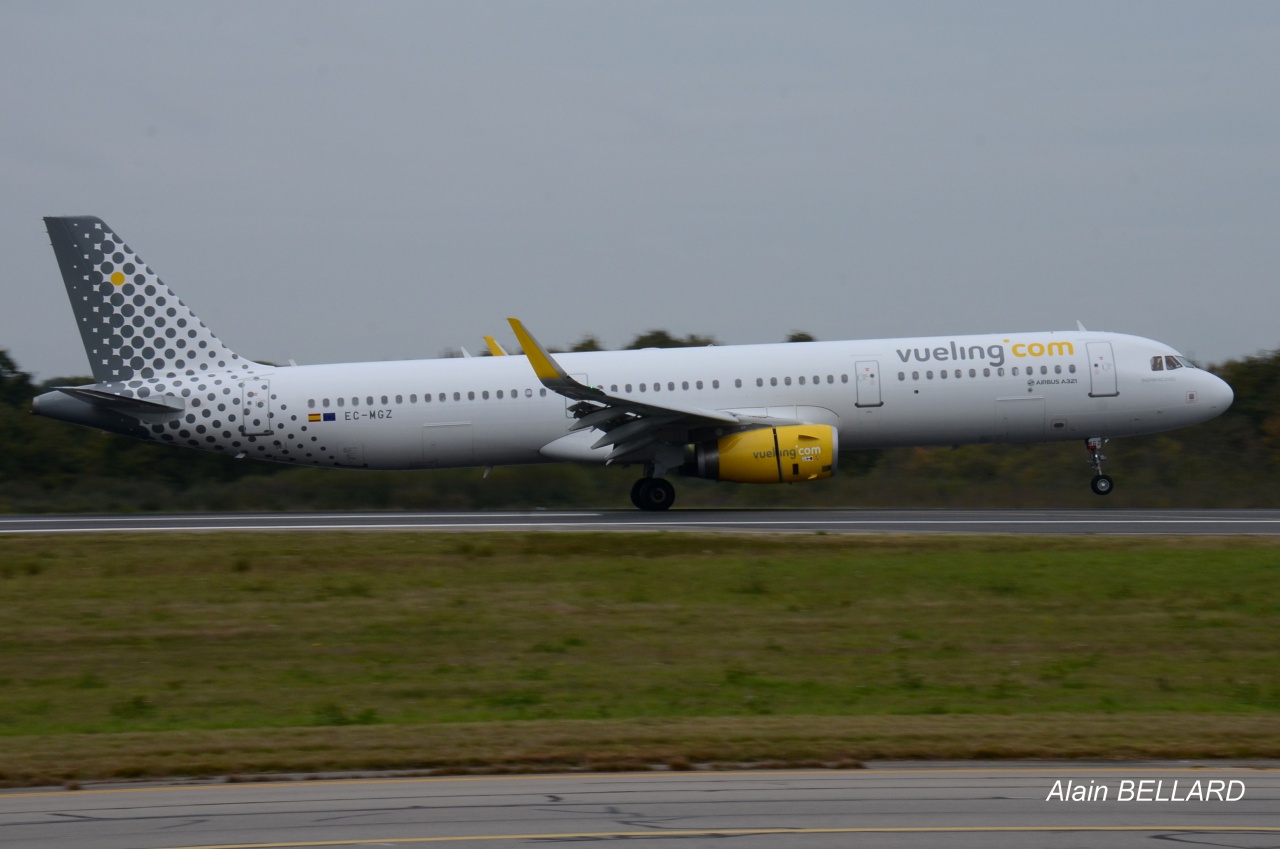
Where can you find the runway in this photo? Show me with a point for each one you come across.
(1073, 522)
(888, 805)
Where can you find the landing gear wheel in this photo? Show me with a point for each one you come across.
(1101, 484)
(653, 494)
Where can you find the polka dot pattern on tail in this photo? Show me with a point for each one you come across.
(130, 321)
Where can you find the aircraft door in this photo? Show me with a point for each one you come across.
(448, 444)
(1020, 419)
(1102, 370)
(256, 418)
(868, 384)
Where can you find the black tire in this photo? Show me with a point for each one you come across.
(653, 494)
(1101, 485)
(635, 492)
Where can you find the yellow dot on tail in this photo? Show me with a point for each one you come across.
(117, 279)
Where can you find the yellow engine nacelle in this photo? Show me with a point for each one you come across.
(768, 455)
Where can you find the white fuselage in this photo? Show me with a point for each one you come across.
(490, 411)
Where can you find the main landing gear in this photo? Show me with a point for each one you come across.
(1101, 484)
(653, 494)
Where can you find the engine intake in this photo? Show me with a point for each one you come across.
(768, 455)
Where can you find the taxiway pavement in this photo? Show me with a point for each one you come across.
(887, 805)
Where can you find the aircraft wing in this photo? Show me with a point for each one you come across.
(632, 425)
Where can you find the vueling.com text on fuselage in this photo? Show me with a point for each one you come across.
(993, 354)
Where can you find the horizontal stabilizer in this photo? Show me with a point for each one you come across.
(155, 405)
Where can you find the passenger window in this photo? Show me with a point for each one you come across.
(1015, 371)
(528, 393)
(715, 384)
(484, 395)
(384, 400)
(457, 396)
(759, 381)
(800, 380)
(1044, 369)
(816, 380)
(628, 387)
(830, 379)
(973, 372)
(1157, 363)
(902, 375)
(443, 397)
(542, 393)
(929, 375)
(943, 374)
(311, 403)
(499, 394)
(324, 403)
(1057, 369)
(698, 384)
(642, 387)
(986, 372)
(773, 381)
(671, 386)
(738, 383)
(1172, 363)
(368, 401)
(915, 375)
(399, 399)
(1072, 368)
(1000, 372)
(844, 378)
(426, 397)
(342, 402)
(684, 385)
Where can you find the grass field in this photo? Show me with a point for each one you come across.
(123, 655)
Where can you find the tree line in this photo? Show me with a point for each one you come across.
(1232, 461)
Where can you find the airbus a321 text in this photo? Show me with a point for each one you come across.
(747, 413)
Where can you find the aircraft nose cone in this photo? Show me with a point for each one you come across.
(1218, 393)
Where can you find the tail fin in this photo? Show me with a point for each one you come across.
(132, 324)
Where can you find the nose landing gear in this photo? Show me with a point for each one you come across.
(1101, 484)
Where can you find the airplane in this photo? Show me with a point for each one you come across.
(773, 413)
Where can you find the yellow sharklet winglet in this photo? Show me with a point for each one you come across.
(494, 348)
(543, 365)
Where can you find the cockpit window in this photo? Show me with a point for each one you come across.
(1172, 363)
(1185, 362)
(1157, 363)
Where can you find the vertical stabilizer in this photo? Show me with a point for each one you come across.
(132, 325)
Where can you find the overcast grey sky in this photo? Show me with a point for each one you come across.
(333, 181)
